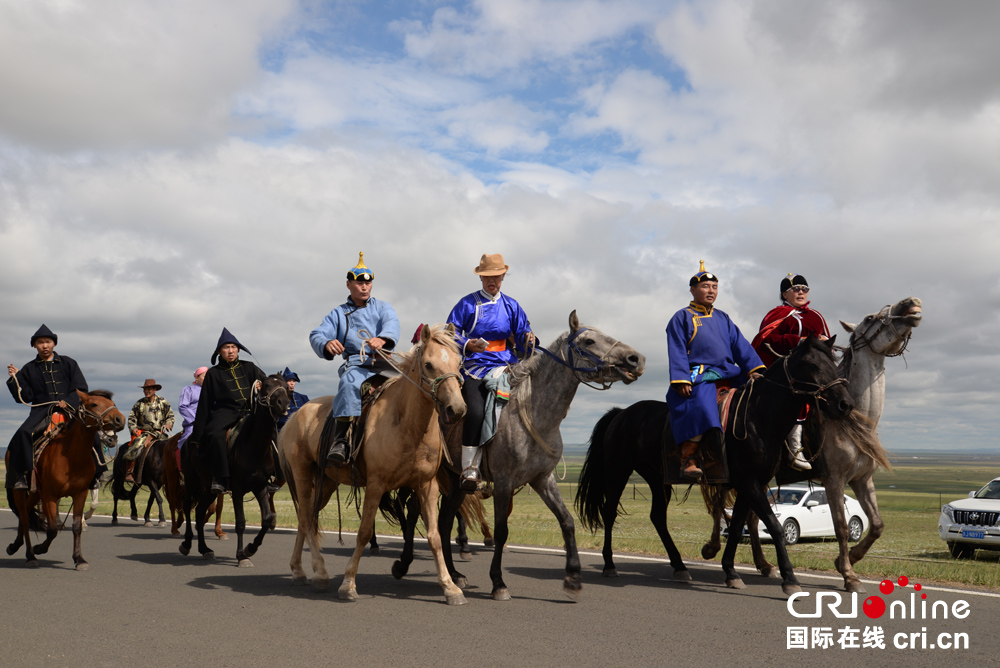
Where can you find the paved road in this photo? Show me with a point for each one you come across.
(143, 603)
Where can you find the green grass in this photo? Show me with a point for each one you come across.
(909, 499)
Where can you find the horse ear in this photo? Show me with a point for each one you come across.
(848, 326)
(425, 334)
(831, 341)
(574, 322)
(82, 395)
(450, 328)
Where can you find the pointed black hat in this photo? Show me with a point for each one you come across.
(225, 338)
(288, 374)
(44, 331)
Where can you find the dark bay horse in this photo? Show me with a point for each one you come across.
(764, 410)
(174, 491)
(253, 463)
(528, 446)
(151, 476)
(65, 468)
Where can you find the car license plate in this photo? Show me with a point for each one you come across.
(969, 533)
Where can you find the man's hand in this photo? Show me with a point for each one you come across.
(11, 370)
(529, 340)
(375, 343)
(476, 345)
(334, 347)
(62, 404)
(755, 375)
(256, 385)
(683, 389)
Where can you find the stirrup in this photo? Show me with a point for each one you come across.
(470, 479)
(21, 484)
(691, 471)
(218, 487)
(337, 455)
(799, 462)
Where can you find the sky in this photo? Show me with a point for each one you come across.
(170, 169)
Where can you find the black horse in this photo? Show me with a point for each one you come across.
(763, 412)
(253, 463)
(150, 476)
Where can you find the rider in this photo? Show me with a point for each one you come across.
(781, 330)
(704, 347)
(47, 379)
(488, 325)
(362, 321)
(225, 398)
(151, 416)
(296, 400)
(187, 406)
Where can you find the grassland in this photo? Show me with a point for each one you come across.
(910, 499)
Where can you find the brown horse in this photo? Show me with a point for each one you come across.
(402, 448)
(65, 468)
(175, 492)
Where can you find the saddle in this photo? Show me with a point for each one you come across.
(712, 446)
(233, 433)
(55, 424)
(139, 448)
(371, 390)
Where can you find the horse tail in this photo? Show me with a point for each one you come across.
(717, 497)
(591, 491)
(474, 512)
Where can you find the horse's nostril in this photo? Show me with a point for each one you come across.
(633, 361)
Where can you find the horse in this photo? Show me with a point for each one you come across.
(528, 446)
(150, 475)
(65, 468)
(846, 450)
(631, 439)
(252, 465)
(402, 447)
(174, 491)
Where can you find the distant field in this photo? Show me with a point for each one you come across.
(910, 498)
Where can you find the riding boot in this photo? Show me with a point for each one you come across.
(470, 468)
(794, 442)
(22, 481)
(341, 446)
(689, 460)
(128, 472)
(220, 485)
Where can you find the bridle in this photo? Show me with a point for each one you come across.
(599, 365)
(84, 414)
(886, 320)
(264, 400)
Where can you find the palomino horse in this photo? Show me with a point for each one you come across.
(631, 439)
(174, 491)
(65, 468)
(252, 465)
(528, 446)
(150, 475)
(402, 447)
(847, 455)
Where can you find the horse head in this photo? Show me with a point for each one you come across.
(810, 369)
(600, 358)
(440, 363)
(273, 395)
(98, 411)
(888, 331)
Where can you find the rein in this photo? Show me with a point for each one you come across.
(434, 384)
(885, 319)
(573, 350)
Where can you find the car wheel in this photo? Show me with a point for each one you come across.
(791, 530)
(854, 529)
(961, 550)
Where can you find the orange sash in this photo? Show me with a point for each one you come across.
(496, 346)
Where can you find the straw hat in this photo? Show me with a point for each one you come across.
(491, 265)
(151, 383)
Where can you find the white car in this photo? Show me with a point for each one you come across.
(971, 523)
(804, 512)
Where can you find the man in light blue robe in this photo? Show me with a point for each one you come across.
(361, 319)
(704, 347)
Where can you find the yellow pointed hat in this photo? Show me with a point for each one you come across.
(360, 272)
(703, 275)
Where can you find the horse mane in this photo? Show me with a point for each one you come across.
(846, 360)
(439, 335)
(857, 429)
(107, 394)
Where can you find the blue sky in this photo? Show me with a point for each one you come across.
(167, 169)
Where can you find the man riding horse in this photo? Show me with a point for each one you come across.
(225, 399)
(46, 380)
(783, 328)
(362, 321)
(705, 349)
(151, 419)
(296, 400)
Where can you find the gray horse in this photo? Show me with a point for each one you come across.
(528, 446)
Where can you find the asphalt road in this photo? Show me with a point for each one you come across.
(143, 603)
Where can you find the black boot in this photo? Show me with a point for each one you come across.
(340, 447)
(21, 483)
(220, 485)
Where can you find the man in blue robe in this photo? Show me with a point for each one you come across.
(362, 319)
(704, 347)
(296, 400)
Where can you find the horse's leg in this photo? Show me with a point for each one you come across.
(93, 505)
(408, 525)
(159, 502)
(757, 501)
(268, 518)
(200, 511)
(609, 515)
(501, 504)
(149, 507)
(864, 489)
(759, 560)
(79, 501)
(450, 504)
(50, 508)
(834, 486)
(428, 496)
(18, 503)
(219, 533)
(185, 546)
(716, 501)
(114, 507)
(241, 525)
(307, 522)
(736, 523)
(658, 516)
(131, 502)
(348, 589)
(548, 489)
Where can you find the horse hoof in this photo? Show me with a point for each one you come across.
(185, 549)
(11, 549)
(461, 582)
(770, 572)
(134, 518)
(87, 515)
(735, 583)
(208, 556)
(709, 552)
(488, 542)
(83, 566)
(855, 586)
(299, 580)
(501, 594)
(347, 594)
(790, 589)
(245, 563)
(465, 554)
(456, 599)
(610, 572)
(374, 550)
(147, 524)
(682, 576)
(398, 570)
(32, 563)
(114, 521)
(572, 593)
(175, 532)
(161, 523)
(223, 536)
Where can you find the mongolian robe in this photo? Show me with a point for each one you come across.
(493, 319)
(188, 407)
(704, 345)
(344, 323)
(296, 400)
(784, 326)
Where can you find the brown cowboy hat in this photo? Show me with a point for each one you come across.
(491, 265)
(151, 383)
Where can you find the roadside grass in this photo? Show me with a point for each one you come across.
(909, 499)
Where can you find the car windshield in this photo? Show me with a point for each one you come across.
(785, 497)
(990, 491)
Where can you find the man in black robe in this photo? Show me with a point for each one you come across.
(225, 398)
(47, 379)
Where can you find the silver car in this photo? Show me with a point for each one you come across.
(973, 523)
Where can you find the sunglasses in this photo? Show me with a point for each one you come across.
(799, 288)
